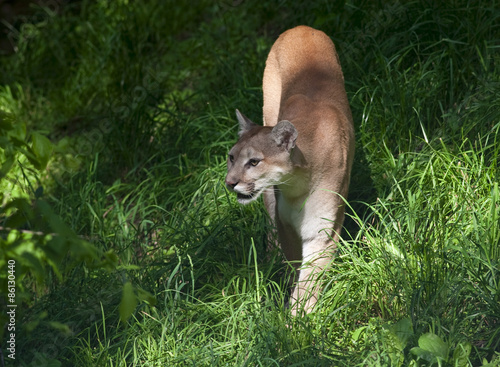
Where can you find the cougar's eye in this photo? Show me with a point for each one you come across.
(254, 162)
(231, 158)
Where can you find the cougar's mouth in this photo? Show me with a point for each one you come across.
(247, 198)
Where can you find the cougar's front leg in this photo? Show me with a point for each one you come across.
(317, 255)
(320, 233)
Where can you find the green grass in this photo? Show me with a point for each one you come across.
(138, 99)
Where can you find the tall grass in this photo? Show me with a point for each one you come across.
(138, 99)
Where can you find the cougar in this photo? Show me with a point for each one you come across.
(301, 159)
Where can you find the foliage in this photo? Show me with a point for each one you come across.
(33, 238)
(115, 121)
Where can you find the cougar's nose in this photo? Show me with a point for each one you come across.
(231, 183)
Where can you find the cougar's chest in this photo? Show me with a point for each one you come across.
(290, 214)
(306, 216)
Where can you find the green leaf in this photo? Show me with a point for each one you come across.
(18, 211)
(423, 354)
(6, 166)
(55, 223)
(128, 302)
(17, 133)
(461, 355)
(434, 344)
(42, 149)
(395, 339)
(356, 336)
(495, 362)
(145, 296)
(5, 122)
(401, 332)
(59, 326)
(34, 261)
(83, 250)
(109, 261)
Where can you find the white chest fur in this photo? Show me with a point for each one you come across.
(307, 216)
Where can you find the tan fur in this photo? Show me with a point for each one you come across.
(301, 158)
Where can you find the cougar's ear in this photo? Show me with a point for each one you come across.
(245, 123)
(285, 134)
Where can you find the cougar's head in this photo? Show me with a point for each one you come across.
(260, 158)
